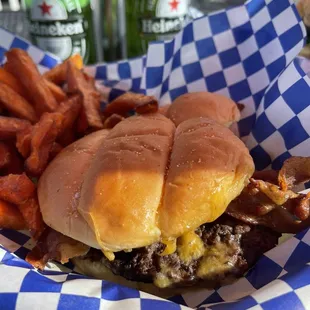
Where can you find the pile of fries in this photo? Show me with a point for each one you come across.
(40, 115)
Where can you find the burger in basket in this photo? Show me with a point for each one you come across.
(168, 197)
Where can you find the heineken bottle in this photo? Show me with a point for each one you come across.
(152, 20)
(62, 27)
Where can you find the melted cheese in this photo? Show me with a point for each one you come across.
(162, 281)
(109, 255)
(215, 260)
(171, 246)
(190, 247)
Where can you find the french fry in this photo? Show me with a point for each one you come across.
(23, 68)
(30, 211)
(16, 189)
(16, 104)
(81, 123)
(44, 135)
(10, 217)
(11, 81)
(23, 141)
(127, 102)
(10, 126)
(5, 155)
(112, 120)
(148, 107)
(91, 98)
(58, 74)
(91, 81)
(57, 92)
(16, 163)
(70, 109)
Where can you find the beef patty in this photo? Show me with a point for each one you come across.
(228, 248)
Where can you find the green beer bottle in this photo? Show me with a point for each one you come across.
(152, 20)
(62, 27)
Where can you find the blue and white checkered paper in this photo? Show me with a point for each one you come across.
(247, 53)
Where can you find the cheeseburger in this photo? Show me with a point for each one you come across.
(146, 200)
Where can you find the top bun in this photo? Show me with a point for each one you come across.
(203, 104)
(143, 181)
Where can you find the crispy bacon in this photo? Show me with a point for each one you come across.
(295, 170)
(53, 245)
(260, 205)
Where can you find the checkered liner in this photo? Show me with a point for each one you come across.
(247, 53)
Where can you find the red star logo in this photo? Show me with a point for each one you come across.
(174, 5)
(45, 8)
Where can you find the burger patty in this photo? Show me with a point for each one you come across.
(230, 248)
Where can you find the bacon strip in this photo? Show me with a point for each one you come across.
(295, 170)
(53, 245)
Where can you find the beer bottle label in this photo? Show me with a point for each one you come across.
(59, 27)
(170, 17)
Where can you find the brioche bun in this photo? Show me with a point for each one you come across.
(143, 180)
(203, 104)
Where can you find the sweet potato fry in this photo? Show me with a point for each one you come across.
(70, 109)
(10, 126)
(127, 102)
(148, 107)
(10, 217)
(5, 155)
(91, 81)
(16, 188)
(44, 135)
(58, 74)
(23, 68)
(16, 163)
(112, 120)
(11, 81)
(16, 105)
(91, 98)
(81, 123)
(30, 211)
(57, 92)
(23, 141)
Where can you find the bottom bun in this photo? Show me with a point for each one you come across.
(215, 254)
